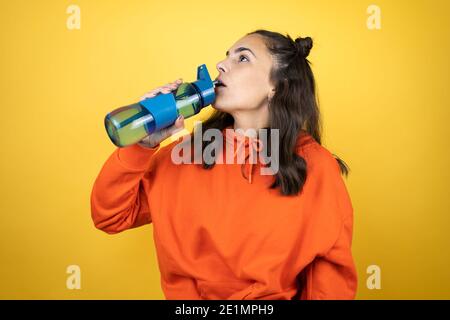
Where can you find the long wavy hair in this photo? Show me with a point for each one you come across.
(294, 107)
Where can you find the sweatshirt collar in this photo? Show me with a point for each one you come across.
(251, 146)
(246, 148)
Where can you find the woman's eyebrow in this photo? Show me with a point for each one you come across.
(242, 49)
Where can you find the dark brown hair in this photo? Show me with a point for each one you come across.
(294, 107)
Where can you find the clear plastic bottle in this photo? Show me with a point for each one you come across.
(130, 124)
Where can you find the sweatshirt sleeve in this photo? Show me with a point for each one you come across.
(332, 274)
(119, 194)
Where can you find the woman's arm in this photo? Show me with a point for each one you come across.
(333, 276)
(119, 195)
(332, 273)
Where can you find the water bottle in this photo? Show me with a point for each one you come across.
(130, 124)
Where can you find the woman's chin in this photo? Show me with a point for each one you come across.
(222, 104)
(218, 106)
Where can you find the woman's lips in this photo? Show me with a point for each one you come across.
(219, 83)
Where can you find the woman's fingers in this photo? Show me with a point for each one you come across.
(157, 137)
(163, 89)
(146, 96)
(177, 126)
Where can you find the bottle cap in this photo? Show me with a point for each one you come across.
(205, 85)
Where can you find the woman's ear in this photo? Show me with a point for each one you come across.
(271, 94)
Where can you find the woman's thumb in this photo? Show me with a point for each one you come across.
(179, 124)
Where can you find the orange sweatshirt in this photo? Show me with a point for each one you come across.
(223, 234)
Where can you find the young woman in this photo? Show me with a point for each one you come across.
(225, 231)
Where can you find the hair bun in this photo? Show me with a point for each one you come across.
(304, 45)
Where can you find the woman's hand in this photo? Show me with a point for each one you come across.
(156, 138)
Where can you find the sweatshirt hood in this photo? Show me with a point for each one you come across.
(246, 149)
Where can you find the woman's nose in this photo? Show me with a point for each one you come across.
(220, 67)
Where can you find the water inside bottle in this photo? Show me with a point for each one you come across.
(128, 125)
(188, 100)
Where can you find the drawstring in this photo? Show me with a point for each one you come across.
(254, 144)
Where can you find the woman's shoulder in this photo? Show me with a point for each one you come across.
(315, 154)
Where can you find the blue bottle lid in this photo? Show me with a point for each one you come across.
(205, 85)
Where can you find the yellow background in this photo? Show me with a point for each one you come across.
(384, 99)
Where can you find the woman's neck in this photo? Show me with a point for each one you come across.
(249, 125)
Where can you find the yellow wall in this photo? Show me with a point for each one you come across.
(383, 93)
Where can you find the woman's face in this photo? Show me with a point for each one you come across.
(245, 73)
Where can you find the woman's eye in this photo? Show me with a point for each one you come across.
(240, 58)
